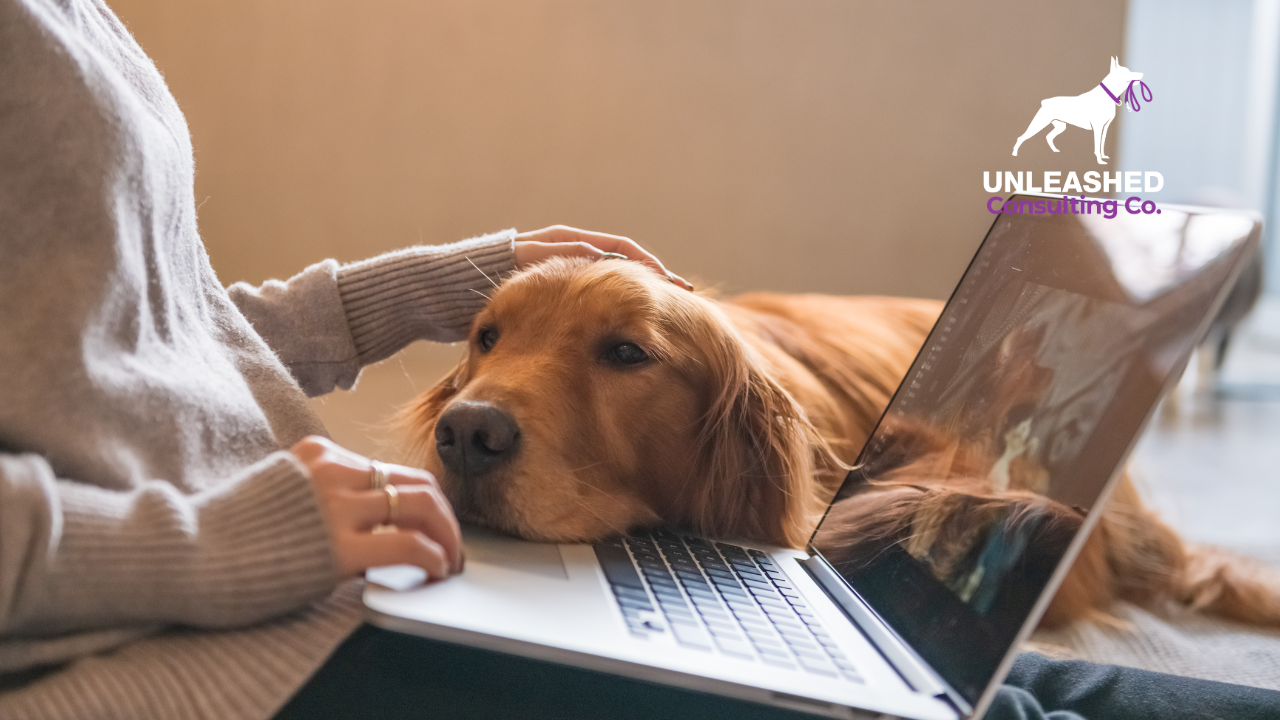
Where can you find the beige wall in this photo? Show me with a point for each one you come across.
(797, 145)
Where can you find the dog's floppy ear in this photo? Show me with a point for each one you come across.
(756, 469)
(416, 421)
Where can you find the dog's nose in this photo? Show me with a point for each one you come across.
(472, 438)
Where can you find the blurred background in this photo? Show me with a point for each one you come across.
(827, 146)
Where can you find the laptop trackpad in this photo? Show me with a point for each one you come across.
(484, 547)
(489, 548)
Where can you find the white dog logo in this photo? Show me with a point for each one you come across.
(1093, 110)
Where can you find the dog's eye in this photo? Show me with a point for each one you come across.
(627, 354)
(487, 338)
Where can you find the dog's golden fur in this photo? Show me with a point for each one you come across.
(742, 423)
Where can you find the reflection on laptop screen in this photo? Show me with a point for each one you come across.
(1012, 420)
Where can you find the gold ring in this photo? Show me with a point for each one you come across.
(378, 475)
(393, 504)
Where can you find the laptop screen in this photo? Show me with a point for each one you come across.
(1024, 400)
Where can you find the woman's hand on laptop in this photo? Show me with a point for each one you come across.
(426, 532)
(559, 240)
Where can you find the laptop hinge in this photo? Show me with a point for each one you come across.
(913, 670)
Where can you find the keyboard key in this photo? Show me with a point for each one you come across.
(846, 666)
(708, 604)
(764, 640)
(702, 591)
(829, 643)
(617, 566)
(690, 636)
(726, 634)
(821, 667)
(734, 647)
(624, 591)
(811, 653)
(670, 593)
(772, 600)
(628, 602)
(791, 633)
(809, 650)
(774, 652)
(784, 620)
(721, 626)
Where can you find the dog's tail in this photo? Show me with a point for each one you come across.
(1222, 583)
(1132, 555)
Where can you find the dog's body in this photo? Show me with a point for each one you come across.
(1094, 110)
(597, 398)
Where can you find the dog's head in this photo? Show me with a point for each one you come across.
(1120, 75)
(597, 397)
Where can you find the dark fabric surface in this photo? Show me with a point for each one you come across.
(381, 674)
(1099, 692)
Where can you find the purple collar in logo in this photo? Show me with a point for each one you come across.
(1129, 96)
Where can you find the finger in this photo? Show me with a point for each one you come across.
(361, 551)
(419, 507)
(631, 250)
(341, 469)
(680, 281)
(562, 236)
(531, 252)
(620, 245)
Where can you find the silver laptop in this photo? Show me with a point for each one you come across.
(1051, 353)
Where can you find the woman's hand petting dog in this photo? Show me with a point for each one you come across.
(427, 533)
(559, 240)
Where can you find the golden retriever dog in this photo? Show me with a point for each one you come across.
(595, 398)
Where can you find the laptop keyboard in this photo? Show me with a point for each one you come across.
(717, 597)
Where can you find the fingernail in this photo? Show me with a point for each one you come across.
(613, 256)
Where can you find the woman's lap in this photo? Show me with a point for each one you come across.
(378, 673)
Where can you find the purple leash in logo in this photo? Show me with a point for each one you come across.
(1129, 96)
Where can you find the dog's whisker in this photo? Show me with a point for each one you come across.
(587, 466)
(486, 275)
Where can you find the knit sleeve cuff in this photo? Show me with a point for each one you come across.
(422, 293)
(250, 549)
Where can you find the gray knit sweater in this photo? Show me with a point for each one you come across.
(161, 555)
